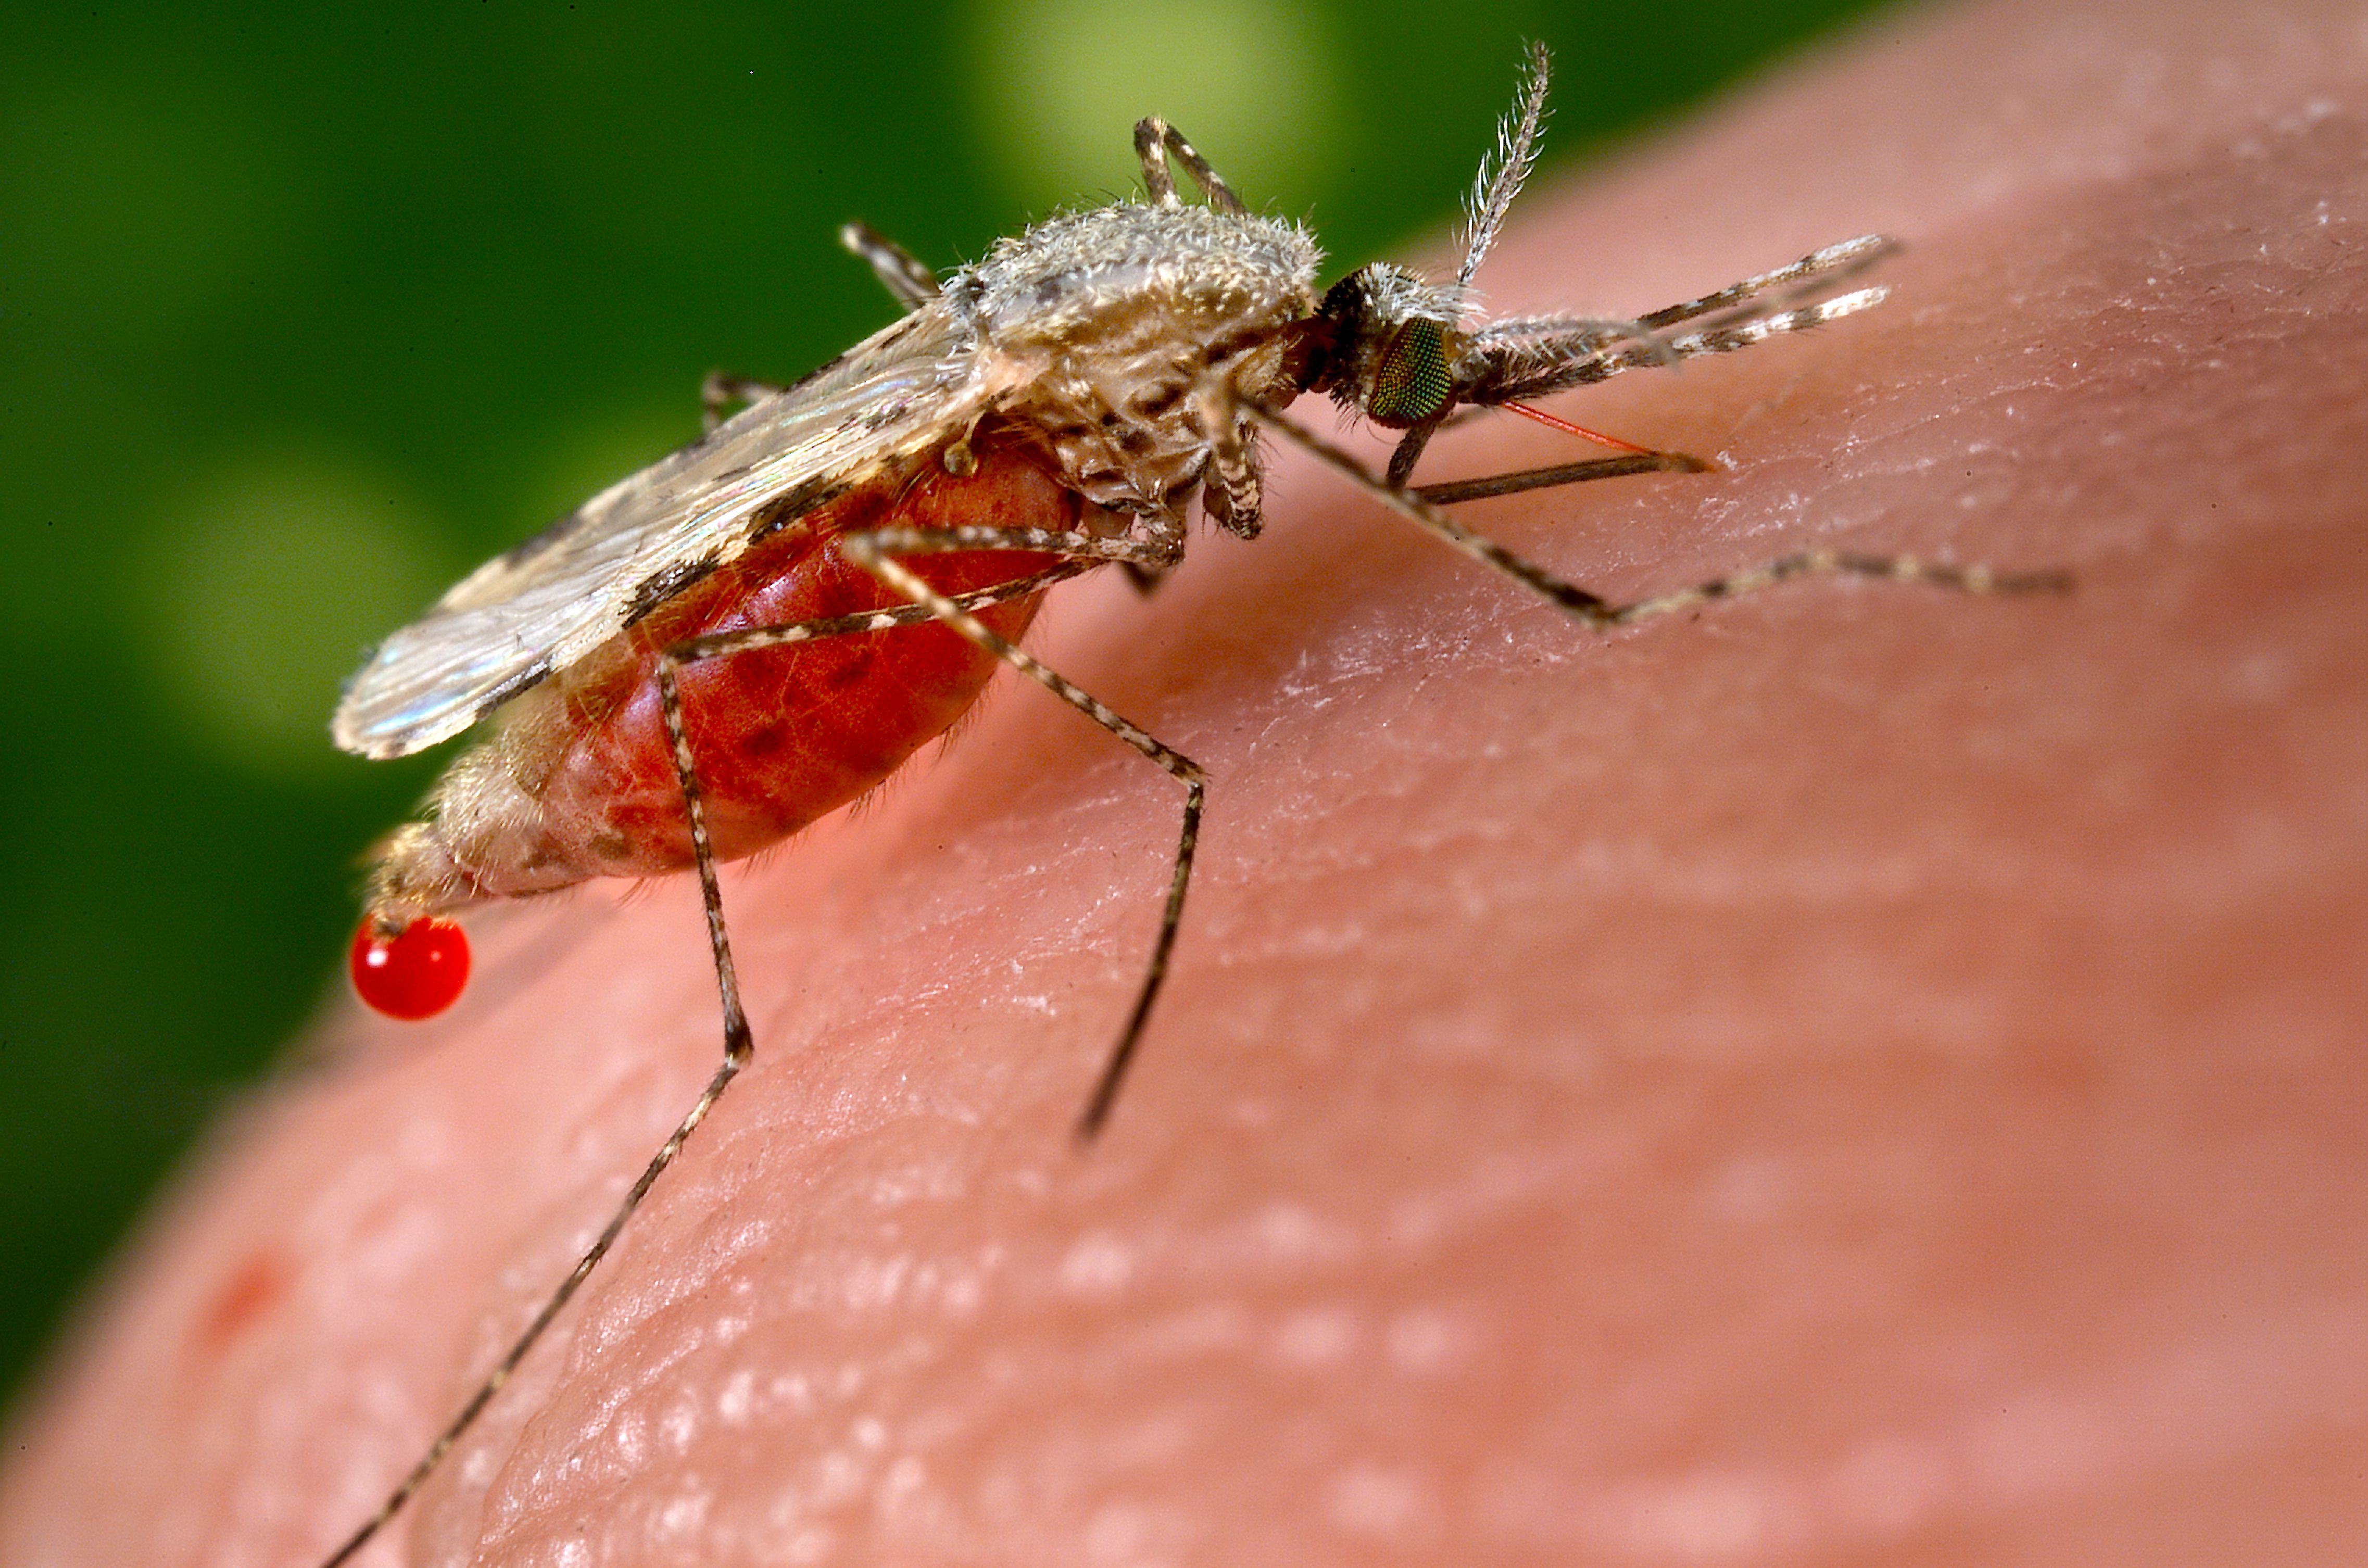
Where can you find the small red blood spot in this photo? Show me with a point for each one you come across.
(252, 1290)
(416, 973)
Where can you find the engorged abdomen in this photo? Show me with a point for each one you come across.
(579, 780)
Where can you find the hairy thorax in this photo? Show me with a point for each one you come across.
(1111, 328)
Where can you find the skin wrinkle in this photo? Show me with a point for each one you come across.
(1856, 1073)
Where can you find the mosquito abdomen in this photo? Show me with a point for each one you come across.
(579, 780)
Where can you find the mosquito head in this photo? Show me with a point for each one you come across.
(1385, 344)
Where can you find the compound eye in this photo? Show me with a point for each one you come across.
(1414, 379)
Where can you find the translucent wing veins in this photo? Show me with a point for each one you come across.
(563, 592)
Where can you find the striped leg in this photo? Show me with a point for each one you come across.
(900, 272)
(1230, 487)
(739, 1043)
(875, 552)
(722, 389)
(1418, 506)
(1155, 139)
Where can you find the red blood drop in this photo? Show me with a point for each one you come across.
(416, 973)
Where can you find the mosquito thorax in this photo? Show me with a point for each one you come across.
(1393, 346)
(1107, 325)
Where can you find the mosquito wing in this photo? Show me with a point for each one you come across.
(593, 573)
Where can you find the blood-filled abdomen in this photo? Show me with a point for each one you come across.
(579, 780)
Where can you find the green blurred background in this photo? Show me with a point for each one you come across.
(305, 309)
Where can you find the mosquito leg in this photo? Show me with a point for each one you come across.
(741, 640)
(899, 270)
(1974, 579)
(739, 1045)
(1230, 487)
(737, 1042)
(738, 1048)
(875, 552)
(722, 389)
(1601, 613)
(1084, 550)
(1155, 139)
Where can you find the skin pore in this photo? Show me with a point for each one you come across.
(1855, 1075)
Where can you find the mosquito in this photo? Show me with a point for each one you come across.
(718, 650)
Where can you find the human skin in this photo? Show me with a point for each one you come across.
(1855, 1075)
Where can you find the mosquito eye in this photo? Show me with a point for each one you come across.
(1413, 380)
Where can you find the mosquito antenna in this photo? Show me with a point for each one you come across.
(1502, 172)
